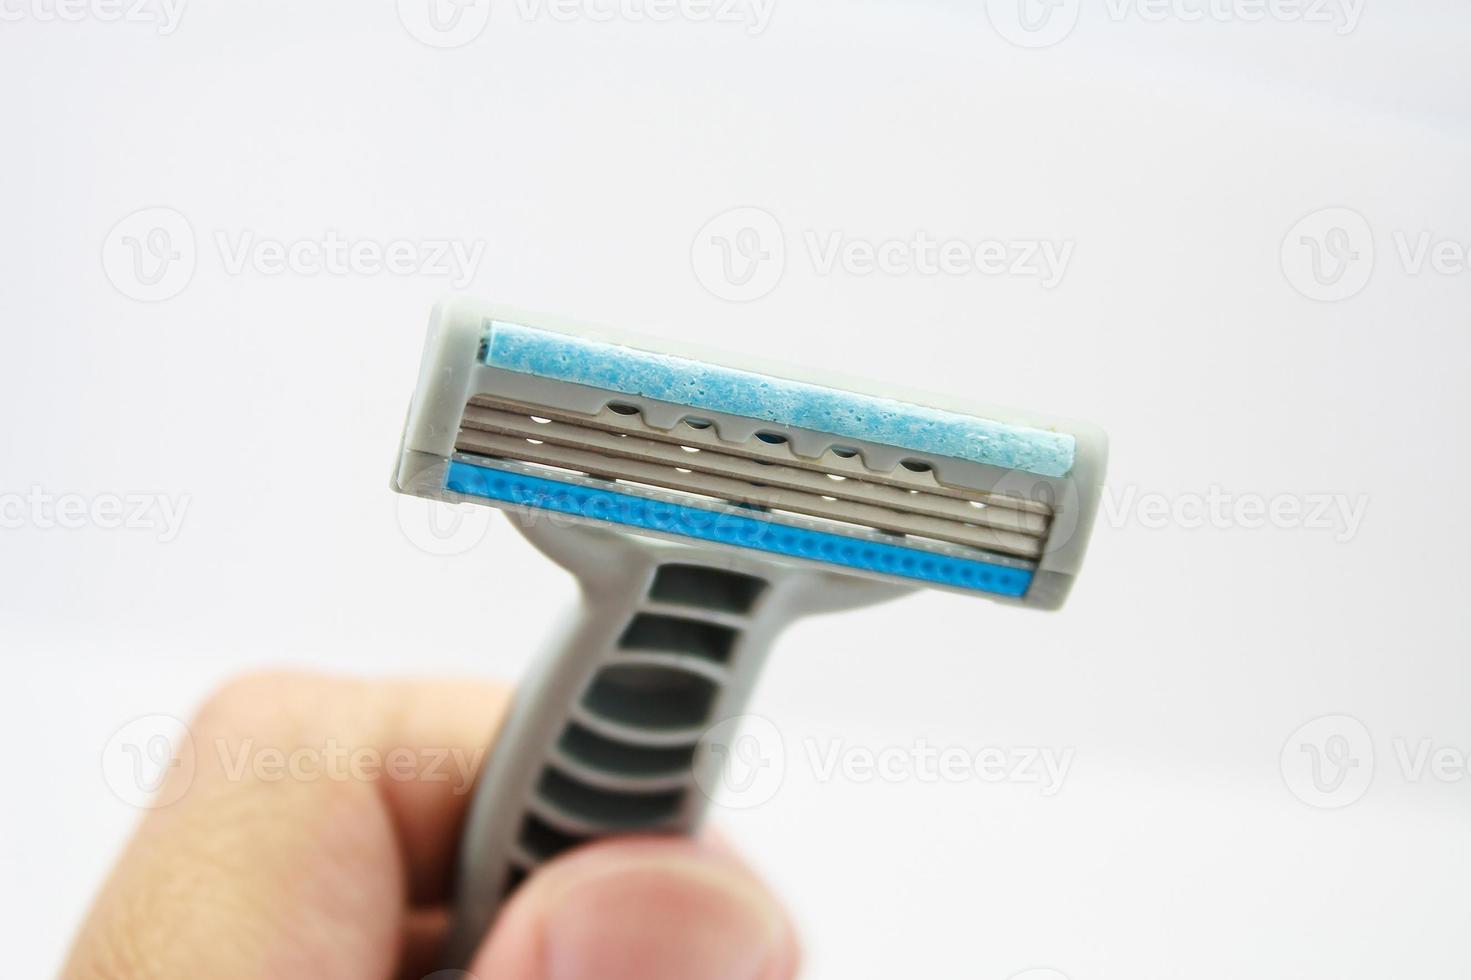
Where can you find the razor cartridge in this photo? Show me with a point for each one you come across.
(703, 504)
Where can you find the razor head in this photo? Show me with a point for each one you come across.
(556, 421)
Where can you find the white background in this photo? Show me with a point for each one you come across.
(1175, 156)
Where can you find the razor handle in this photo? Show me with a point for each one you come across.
(606, 735)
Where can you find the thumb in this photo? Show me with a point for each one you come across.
(647, 908)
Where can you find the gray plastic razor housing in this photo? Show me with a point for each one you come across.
(605, 734)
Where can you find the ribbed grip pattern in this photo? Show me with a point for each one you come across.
(622, 762)
(604, 736)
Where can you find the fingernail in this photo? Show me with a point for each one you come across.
(685, 918)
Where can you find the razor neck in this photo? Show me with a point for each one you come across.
(628, 723)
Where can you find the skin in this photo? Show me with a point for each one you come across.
(250, 873)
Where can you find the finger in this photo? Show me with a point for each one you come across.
(426, 933)
(317, 809)
(648, 908)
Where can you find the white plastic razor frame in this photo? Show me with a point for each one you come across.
(696, 535)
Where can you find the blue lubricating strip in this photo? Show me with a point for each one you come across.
(563, 357)
(725, 527)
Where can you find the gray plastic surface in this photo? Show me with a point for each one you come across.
(541, 791)
(615, 571)
(451, 373)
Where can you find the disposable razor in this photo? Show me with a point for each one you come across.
(703, 503)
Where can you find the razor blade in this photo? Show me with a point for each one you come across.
(530, 414)
(703, 503)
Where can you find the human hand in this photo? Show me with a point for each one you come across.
(321, 872)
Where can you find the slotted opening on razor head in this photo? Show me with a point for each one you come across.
(675, 634)
(649, 696)
(606, 808)
(706, 588)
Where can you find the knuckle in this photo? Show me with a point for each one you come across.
(255, 703)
